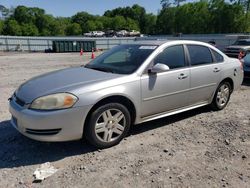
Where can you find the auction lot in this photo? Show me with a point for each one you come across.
(199, 148)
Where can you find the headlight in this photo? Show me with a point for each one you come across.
(54, 102)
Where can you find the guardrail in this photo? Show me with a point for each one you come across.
(34, 44)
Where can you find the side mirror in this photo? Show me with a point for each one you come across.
(159, 67)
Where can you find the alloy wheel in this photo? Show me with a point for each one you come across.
(110, 125)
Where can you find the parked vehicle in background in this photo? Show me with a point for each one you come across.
(129, 84)
(239, 45)
(110, 33)
(246, 65)
(134, 33)
(94, 34)
(122, 33)
(89, 34)
(98, 33)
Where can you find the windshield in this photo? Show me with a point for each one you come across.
(242, 42)
(122, 59)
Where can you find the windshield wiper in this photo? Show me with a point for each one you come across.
(103, 69)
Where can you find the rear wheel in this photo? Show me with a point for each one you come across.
(222, 96)
(107, 125)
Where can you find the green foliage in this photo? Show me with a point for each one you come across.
(1, 27)
(216, 16)
(11, 27)
(82, 18)
(176, 16)
(73, 29)
(29, 30)
(149, 24)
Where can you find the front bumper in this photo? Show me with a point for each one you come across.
(50, 126)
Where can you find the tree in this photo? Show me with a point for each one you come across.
(119, 22)
(24, 14)
(150, 24)
(29, 30)
(135, 12)
(82, 18)
(1, 27)
(166, 21)
(228, 18)
(43, 22)
(131, 24)
(11, 27)
(73, 29)
(56, 29)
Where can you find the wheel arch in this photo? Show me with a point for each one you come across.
(230, 81)
(112, 99)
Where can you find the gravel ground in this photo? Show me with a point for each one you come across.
(199, 148)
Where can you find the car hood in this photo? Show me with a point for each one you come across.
(60, 81)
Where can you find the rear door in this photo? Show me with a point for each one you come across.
(205, 73)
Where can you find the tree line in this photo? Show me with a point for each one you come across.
(176, 16)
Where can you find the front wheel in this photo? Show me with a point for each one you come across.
(108, 125)
(222, 96)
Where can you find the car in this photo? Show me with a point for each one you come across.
(110, 33)
(240, 45)
(122, 33)
(89, 34)
(98, 33)
(134, 33)
(246, 65)
(129, 84)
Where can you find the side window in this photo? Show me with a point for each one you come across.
(199, 55)
(218, 57)
(172, 56)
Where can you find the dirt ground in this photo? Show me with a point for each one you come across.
(199, 148)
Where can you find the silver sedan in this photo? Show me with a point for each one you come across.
(129, 84)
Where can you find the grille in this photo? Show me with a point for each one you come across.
(43, 131)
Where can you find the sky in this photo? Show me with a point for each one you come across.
(70, 7)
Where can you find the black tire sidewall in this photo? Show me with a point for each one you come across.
(90, 126)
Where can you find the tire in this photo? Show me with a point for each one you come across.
(107, 125)
(221, 96)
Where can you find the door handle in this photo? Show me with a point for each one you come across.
(182, 76)
(216, 69)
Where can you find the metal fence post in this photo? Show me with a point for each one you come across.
(108, 43)
(28, 42)
(7, 44)
(48, 43)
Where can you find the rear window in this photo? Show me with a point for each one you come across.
(218, 57)
(199, 55)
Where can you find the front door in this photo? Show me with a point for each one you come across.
(166, 91)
